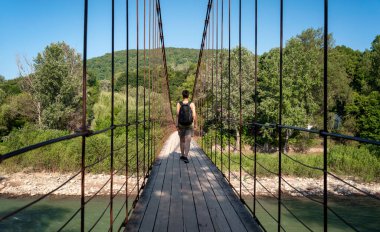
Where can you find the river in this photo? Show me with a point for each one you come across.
(50, 214)
(361, 212)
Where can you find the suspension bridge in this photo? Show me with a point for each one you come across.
(162, 193)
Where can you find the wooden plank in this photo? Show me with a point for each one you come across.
(138, 213)
(145, 221)
(238, 206)
(188, 197)
(176, 217)
(217, 216)
(162, 217)
(203, 215)
(189, 212)
(232, 217)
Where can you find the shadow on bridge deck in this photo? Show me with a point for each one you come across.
(188, 197)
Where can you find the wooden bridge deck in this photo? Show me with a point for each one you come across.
(188, 197)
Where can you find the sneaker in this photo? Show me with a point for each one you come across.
(182, 157)
(185, 160)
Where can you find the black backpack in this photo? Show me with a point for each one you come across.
(185, 117)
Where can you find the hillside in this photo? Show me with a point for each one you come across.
(178, 59)
(181, 67)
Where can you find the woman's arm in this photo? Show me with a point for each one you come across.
(192, 106)
(178, 108)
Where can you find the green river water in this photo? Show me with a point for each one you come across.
(50, 214)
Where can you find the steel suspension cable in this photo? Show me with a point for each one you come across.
(229, 90)
(84, 115)
(221, 87)
(207, 20)
(144, 85)
(84, 132)
(149, 85)
(240, 98)
(325, 112)
(212, 77)
(214, 120)
(112, 111)
(137, 98)
(127, 113)
(280, 117)
(255, 118)
(216, 74)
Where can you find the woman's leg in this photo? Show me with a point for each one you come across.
(182, 144)
(187, 139)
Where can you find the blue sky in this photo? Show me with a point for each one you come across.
(27, 27)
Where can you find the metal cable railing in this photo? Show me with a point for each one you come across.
(149, 124)
(219, 126)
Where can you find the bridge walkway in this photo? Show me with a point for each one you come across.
(188, 197)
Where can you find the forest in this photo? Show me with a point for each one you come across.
(46, 103)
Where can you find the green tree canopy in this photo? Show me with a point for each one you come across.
(56, 85)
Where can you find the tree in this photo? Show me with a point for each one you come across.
(302, 83)
(56, 85)
(366, 110)
(213, 94)
(3, 95)
(375, 71)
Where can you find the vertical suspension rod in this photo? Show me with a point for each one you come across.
(221, 89)
(325, 95)
(112, 112)
(280, 117)
(137, 99)
(84, 113)
(144, 84)
(216, 75)
(240, 103)
(212, 70)
(255, 118)
(149, 88)
(127, 113)
(229, 90)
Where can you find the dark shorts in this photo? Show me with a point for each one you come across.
(182, 132)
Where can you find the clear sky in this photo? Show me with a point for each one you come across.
(27, 27)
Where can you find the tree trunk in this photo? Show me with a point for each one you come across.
(39, 114)
(266, 147)
(237, 145)
(286, 142)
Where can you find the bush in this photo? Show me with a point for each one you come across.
(354, 161)
(345, 161)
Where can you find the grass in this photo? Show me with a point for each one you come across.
(354, 161)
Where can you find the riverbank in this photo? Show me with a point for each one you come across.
(298, 186)
(38, 183)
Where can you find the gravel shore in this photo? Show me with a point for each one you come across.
(38, 183)
(298, 186)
